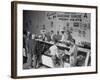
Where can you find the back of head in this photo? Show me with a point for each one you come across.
(73, 41)
(52, 31)
(55, 41)
(62, 32)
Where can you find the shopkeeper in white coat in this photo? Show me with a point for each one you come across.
(64, 36)
(54, 52)
(73, 53)
(43, 33)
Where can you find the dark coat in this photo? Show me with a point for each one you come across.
(31, 44)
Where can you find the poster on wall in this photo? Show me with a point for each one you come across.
(52, 39)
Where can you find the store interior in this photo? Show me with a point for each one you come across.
(44, 22)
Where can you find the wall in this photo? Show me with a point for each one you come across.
(34, 21)
(5, 40)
